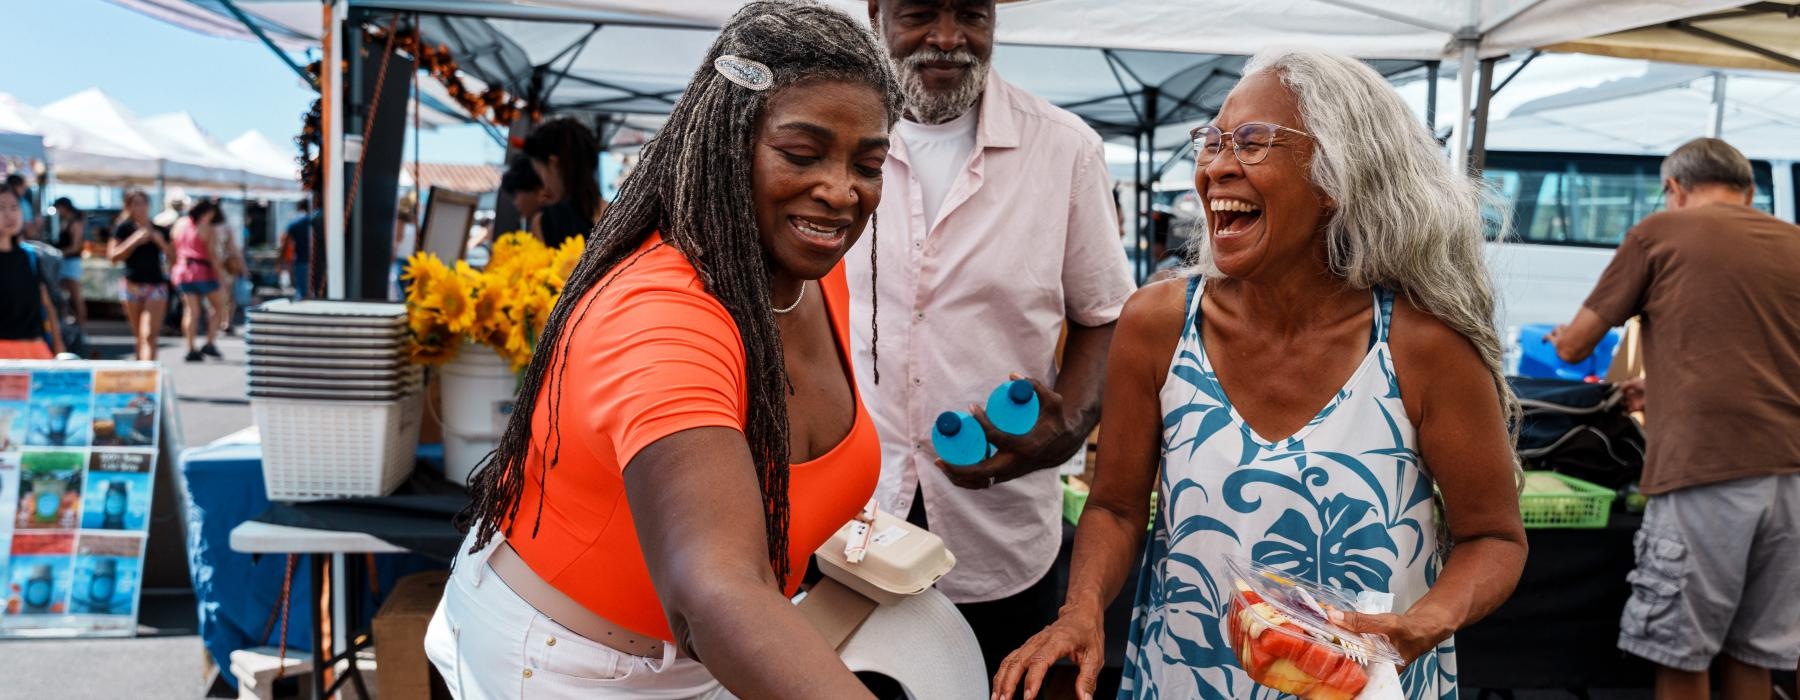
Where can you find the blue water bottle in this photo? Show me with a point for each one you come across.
(959, 439)
(1013, 407)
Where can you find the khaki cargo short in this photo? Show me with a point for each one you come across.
(1718, 571)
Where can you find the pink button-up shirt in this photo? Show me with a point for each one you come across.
(1027, 238)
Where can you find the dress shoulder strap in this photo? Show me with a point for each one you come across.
(1384, 315)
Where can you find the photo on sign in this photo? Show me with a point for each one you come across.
(15, 413)
(124, 408)
(117, 495)
(50, 490)
(9, 494)
(39, 575)
(107, 573)
(61, 408)
(9, 499)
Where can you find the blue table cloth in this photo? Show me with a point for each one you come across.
(236, 592)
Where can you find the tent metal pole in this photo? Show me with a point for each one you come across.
(1465, 82)
(1470, 39)
(1431, 96)
(1478, 145)
(577, 48)
(1716, 129)
(1151, 94)
(1140, 240)
(260, 34)
(332, 158)
(1517, 70)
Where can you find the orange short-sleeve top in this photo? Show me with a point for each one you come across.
(654, 355)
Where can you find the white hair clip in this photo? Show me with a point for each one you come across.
(745, 72)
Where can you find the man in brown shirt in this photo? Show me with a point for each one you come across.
(1716, 284)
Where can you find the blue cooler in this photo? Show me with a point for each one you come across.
(1538, 358)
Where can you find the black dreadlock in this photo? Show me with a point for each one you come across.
(693, 185)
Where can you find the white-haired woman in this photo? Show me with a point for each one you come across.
(1328, 364)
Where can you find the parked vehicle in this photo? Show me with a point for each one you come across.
(1569, 212)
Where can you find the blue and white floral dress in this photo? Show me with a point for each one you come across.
(1343, 501)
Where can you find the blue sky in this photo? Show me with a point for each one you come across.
(59, 47)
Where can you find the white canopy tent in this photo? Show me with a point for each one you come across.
(634, 56)
(1657, 110)
(13, 116)
(1460, 30)
(20, 142)
(190, 155)
(262, 157)
(93, 140)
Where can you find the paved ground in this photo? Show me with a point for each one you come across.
(166, 660)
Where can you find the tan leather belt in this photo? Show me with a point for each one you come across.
(558, 606)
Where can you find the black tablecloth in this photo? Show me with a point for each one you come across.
(417, 516)
(1560, 629)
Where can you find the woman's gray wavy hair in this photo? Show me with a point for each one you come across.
(1404, 218)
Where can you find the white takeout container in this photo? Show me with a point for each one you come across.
(903, 559)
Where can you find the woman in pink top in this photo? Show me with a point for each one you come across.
(196, 276)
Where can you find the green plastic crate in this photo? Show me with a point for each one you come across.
(1585, 506)
(1075, 501)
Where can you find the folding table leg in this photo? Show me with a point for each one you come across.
(321, 606)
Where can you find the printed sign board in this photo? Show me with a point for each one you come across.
(78, 454)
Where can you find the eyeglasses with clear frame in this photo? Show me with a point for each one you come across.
(1250, 142)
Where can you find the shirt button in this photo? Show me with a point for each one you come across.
(917, 381)
(550, 642)
(528, 673)
(918, 245)
(919, 316)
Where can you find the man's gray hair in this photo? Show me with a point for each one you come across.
(1708, 161)
(1402, 216)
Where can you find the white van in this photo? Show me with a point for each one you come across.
(1571, 210)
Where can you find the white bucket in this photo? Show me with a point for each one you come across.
(475, 400)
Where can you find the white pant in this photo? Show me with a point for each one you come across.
(490, 644)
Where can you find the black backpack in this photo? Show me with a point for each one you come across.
(47, 261)
(1579, 429)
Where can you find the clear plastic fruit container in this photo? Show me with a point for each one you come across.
(1280, 632)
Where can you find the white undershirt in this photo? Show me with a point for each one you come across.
(407, 243)
(936, 153)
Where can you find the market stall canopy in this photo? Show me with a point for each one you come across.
(1759, 35)
(262, 157)
(1656, 111)
(91, 139)
(13, 116)
(20, 142)
(634, 58)
(1406, 29)
(190, 155)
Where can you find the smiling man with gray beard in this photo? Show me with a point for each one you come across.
(997, 233)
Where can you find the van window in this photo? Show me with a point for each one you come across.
(1586, 199)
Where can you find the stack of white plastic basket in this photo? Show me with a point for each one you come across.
(336, 400)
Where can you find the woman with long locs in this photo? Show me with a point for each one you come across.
(689, 432)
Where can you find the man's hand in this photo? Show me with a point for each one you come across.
(1050, 443)
(1556, 333)
(1633, 391)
